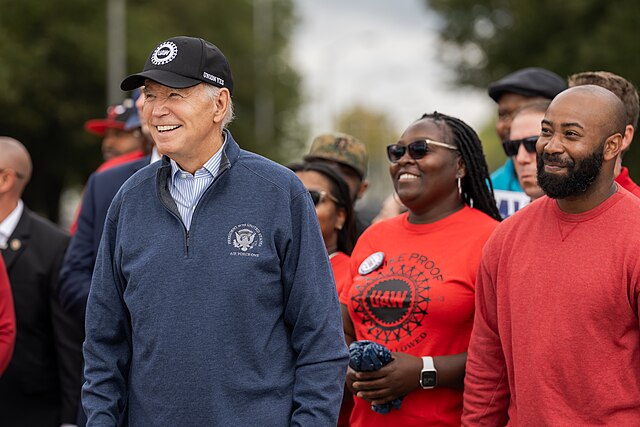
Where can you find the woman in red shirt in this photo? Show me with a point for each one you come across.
(414, 275)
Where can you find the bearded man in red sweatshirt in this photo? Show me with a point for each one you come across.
(556, 338)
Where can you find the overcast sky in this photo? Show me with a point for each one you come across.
(378, 53)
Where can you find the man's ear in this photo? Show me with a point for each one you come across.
(613, 146)
(222, 105)
(7, 181)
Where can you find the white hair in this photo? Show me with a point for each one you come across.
(214, 92)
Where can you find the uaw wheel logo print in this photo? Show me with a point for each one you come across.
(393, 301)
(164, 53)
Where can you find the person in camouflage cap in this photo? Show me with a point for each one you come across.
(347, 153)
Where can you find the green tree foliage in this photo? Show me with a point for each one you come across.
(485, 39)
(376, 131)
(53, 76)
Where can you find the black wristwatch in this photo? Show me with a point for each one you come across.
(429, 375)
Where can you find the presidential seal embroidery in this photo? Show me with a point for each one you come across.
(247, 238)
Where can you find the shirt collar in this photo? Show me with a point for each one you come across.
(211, 166)
(8, 226)
(155, 156)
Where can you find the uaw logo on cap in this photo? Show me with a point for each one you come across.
(164, 53)
(245, 237)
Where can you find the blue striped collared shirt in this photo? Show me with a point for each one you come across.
(187, 189)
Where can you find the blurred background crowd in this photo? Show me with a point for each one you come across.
(364, 67)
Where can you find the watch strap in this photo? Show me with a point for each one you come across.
(427, 363)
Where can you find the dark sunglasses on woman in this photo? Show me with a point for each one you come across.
(319, 196)
(417, 149)
(511, 147)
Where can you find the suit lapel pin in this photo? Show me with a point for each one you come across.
(15, 245)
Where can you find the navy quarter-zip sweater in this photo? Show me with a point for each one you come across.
(235, 323)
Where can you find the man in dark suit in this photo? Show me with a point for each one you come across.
(42, 383)
(75, 276)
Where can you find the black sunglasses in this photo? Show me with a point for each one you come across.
(319, 196)
(511, 147)
(417, 149)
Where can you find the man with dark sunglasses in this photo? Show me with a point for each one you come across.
(510, 93)
(521, 146)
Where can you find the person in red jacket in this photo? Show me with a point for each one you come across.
(7, 319)
(556, 336)
(628, 94)
(414, 276)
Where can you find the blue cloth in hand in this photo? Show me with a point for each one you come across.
(370, 356)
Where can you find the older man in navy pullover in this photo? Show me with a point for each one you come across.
(212, 300)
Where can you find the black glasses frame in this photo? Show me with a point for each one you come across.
(512, 146)
(417, 149)
(318, 196)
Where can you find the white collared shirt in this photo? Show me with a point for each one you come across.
(9, 224)
(187, 189)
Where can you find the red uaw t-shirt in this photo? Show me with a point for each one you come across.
(419, 301)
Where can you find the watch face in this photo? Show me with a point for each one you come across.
(429, 379)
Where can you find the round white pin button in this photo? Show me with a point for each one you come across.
(372, 262)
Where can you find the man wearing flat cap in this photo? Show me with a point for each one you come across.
(511, 93)
(212, 300)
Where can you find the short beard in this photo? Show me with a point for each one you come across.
(579, 177)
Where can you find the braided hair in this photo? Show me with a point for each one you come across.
(339, 190)
(477, 189)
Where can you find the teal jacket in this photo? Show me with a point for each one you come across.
(505, 178)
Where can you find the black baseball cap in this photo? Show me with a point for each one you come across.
(530, 82)
(182, 62)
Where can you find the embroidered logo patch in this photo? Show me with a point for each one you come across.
(164, 53)
(246, 238)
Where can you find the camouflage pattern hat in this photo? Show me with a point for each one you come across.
(341, 148)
